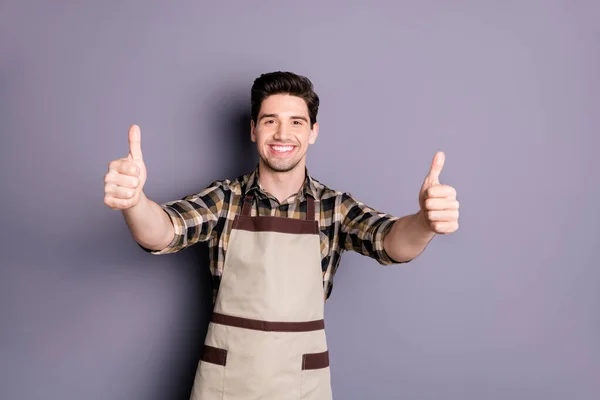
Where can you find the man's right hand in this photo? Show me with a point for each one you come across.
(125, 179)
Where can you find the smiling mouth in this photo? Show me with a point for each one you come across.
(281, 149)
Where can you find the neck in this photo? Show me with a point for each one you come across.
(281, 184)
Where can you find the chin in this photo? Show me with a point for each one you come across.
(281, 167)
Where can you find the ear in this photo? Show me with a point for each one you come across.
(252, 133)
(314, 132)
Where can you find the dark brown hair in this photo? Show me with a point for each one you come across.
(284, 83)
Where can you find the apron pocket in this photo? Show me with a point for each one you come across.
(214, 355)
(210, 376)
(316, 381)
(315, 361)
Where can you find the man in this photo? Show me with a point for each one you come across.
(275, 237)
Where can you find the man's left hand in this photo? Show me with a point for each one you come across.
(439, 207)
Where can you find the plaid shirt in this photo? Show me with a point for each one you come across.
(345, 223)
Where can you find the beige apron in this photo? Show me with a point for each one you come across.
(266, 338)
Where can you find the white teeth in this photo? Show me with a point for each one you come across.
(282, 149)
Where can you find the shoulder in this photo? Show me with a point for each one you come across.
(221, 188)
(342, 203)
(332, 198)
(324, 192)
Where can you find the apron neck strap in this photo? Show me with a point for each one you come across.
(247, 205)
(310, 207)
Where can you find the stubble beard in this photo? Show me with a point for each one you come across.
(284, 167)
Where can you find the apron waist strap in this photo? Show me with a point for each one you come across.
(268, 326)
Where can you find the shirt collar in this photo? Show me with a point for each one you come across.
(251, 185)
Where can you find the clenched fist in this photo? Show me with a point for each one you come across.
(125, 179)
(439, 206)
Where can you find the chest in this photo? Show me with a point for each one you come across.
(329, 226)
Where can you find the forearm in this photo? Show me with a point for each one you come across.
(150, 225)
(408, 237)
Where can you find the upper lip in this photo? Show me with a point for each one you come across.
(282, 144)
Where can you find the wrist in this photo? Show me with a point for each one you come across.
(423, 223)
(140, 205)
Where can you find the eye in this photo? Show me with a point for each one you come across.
(269, 121)
(297, 122)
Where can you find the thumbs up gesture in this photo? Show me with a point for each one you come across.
(125, 179)
(439, 207)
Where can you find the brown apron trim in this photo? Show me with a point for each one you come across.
(310, 209)
(247, 204)
(267, 326)
(214, 355)
(276, 224)
(315, 360)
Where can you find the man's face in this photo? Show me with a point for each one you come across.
(282, 132)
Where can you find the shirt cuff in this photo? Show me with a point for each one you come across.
(382, 256)
(179, 238)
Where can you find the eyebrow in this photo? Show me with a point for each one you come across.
(277, 116)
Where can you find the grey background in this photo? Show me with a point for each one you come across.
(506, 308)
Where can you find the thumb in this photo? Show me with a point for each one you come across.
(436, 168)
(135, 143)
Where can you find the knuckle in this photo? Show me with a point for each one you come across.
(109, 178)
(114, 165)
(109, 201)
(133, 169)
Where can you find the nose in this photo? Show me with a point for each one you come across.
(282, 133)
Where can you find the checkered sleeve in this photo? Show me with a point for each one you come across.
(194, 217)
(363, 229)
